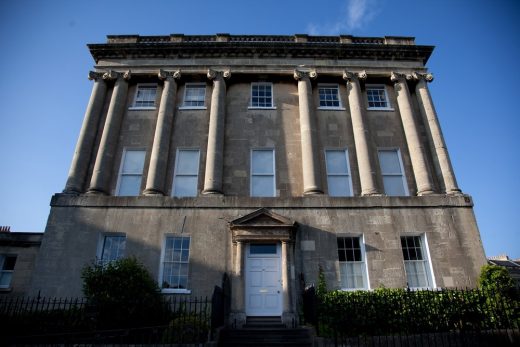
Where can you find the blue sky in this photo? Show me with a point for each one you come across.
(44, 90)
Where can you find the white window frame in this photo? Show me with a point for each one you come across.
(187, 86)
(144, 85)
(378, 86)
(161, 266)
(330, 86)
(252, 174)
(11, 272)
(101, 247)
(176, 174)
(364, 262)
(121, 173)
(253, 107)
(348, 174)
(427, 262)
(403, 175)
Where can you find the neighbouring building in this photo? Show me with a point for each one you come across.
(266, 158)
(18, 252)
(511, 265)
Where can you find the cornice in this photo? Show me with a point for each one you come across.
(136, 47)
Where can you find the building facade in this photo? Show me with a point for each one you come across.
(266, 158)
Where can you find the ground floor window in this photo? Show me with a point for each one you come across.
(417, 267)
(112, 247)
(7, 263)
(352, 266)
(175, 263)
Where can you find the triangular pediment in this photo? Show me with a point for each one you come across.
(262, 218)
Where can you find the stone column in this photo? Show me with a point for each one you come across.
(238, 308)
(415, 146)
(215, 150)
(437, 140)
(310, 164)
(87, 136)
(360, 129)
(163, 129)
(285, 278)
(100, 180)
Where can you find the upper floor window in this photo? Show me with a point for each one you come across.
(261, 95)
(131, 172)
(392, 171)
(262, 172)
(417, 267)
(194, 95)
(338, 173)
(145, 96)
(186, 174)
(329, 96)
(351, 256)
(7, 263)
(175, 262)
(112, 247)
(377, 97)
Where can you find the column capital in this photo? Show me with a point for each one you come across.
(163, 74)
(428, 77)
(302, 74)
(398, 77)
(350, 75)
(114, 75)
(215, 74)
(93, 75)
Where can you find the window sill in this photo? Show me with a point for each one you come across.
(387, 109)
(261, 108)
(175, 291)
(322, 108)
(134, 108)
(354, 289)
(6, 289)
(193, 108)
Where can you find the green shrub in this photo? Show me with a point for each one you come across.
(191, 328)
(122, 294)
(496, 279)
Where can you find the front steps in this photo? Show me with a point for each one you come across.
(264, 332)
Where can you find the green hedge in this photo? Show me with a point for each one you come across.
(400, 311)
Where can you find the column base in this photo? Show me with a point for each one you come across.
(96, 192)
(372, 194)
(313, 191)
(454, 192)
(72, 192)
(425, 192)
(212, 192)
(153, 192)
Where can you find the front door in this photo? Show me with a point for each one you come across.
(263, 280)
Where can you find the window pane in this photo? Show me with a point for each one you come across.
(329, 96)
(185, 186)
(133, 162)
(339, 186)
(5, 279)
(389, 161)
(394, 185)
(262, 162)
(113, 248)
(262, 186)
(130, 185)
(336, 162)
(9, 262)
(188, 162)
(262, 248)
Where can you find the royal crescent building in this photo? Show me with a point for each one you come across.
(266, 159)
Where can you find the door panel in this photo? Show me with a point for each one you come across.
(263, 281)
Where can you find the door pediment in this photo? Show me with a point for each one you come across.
(262, 225)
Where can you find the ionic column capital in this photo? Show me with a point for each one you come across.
(300, 74)
(427, 77)
(114, 75)
(94, 76)
(215, 74)
(398, 77)
(350, 75)
(164, 75)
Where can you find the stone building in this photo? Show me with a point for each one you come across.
(266, 158)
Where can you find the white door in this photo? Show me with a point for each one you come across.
(263, 280)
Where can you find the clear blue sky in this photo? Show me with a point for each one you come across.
(44, 89)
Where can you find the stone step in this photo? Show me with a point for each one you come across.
(265, 337)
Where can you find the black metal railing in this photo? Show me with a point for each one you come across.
(76, 320)
(414, 318)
